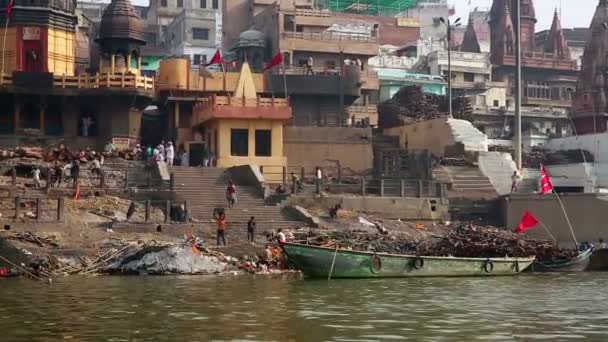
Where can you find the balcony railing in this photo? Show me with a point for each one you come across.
(309, 12)
(331, 37)
(257, 102)
(116, 81)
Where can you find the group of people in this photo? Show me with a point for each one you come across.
(347, 62)
(58, 173)
(163, 152)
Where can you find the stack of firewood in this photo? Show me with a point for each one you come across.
(411, 104)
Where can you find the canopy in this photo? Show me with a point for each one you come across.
(381, 7)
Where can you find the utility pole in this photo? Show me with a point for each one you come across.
(517, 127)
(449, 27)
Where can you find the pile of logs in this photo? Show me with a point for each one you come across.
(540, 155)
(60, 153)
(462, 241)
(411, 104)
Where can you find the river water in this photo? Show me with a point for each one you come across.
(559, 307)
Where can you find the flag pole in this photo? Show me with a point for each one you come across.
(566, 216)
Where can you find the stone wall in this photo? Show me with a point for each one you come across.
(584, 210)
(407, 208)
(328, 146)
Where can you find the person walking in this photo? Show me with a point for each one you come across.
(220, 219)
(297, 184)
(96, 167)
(514, 182)
(231, 194)
(58, 174)
(205, 157)
(251, 226)
(161, 151)
(149, 153)
(170, 153)
(309, 64)
(75, 171)
(36, 176)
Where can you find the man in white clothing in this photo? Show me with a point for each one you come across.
(170, 153)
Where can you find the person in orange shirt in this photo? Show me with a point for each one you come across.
(220, 218)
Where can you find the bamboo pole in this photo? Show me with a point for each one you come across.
(333, 262)
(547, 231)
(567, 218)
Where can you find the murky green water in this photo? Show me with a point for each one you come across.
(524, 308)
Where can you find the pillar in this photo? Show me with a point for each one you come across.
(139, 65)
(112, 63)
(128, 63)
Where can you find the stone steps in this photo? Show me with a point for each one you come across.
(205, 189)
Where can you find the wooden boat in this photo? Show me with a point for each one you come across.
(576, 264)
(598, 260)
(324, 262)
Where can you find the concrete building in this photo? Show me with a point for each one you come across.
(42, 97)
(549, 73)
(193, 33)
(339, 47)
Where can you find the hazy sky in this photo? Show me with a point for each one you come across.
(575, 13)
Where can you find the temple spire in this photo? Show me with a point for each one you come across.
(556, 42)
(590, 103)
(470, 43)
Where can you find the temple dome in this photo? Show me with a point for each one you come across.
(121, 22)
(251, 38)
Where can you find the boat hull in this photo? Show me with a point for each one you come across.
(577, 264)
(598, 260)
(316, 262)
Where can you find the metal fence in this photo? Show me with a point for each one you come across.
(317, 179)
(32, 209)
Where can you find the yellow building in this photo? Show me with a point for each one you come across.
(245, 128)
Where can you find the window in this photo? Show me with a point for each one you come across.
(215, 4)
(469, 77)
(180, 3)
(163, 3)
(200, 33)
(239, 142)
(263, 143)
(508, 103)
(196, 59)
(203, 4)
(496, 103)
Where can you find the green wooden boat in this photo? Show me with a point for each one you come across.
(324, 262)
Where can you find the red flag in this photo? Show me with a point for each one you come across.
(276, 60)
(545, 182)
(9, 8)
(528, 221)
(216, 59)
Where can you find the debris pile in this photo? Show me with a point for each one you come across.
(462, 241)
(168, 259)
(111, 207)
(411, 104)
